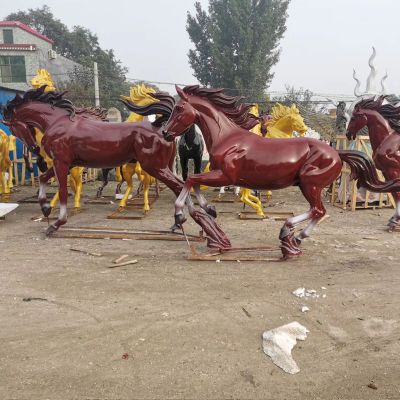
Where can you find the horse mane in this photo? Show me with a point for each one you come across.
(389, 111)
(163, 105)
(280, 111)
(98, 113)
(231, 106)
(54, 99)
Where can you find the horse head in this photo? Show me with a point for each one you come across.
(182, 117)
(43, 78)
(287, 120)
(359, 115)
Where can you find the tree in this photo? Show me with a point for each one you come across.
(236, 44)
(82, 46)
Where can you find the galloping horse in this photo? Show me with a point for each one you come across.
(383, 122)
(73, 140)
(240, 158)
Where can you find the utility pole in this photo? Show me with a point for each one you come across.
(96, 85)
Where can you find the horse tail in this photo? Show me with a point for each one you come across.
(163, 106)
(363, 169)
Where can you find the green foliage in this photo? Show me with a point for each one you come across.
(81, 46)
(236, 44)
(297, 96)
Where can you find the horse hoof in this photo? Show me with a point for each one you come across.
(174, 228)
(298, 240)
(51, 229)
(46, 209)
(180, 219)
(290, 247)
(211, 210)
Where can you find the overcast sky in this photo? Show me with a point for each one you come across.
(324, 41)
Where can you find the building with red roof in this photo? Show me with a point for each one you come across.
(23, 51)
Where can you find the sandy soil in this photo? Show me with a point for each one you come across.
(171, 328)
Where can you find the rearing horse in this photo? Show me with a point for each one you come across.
(74, 140)
(243, 159)
(383, 122)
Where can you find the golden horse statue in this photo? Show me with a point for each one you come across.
(141, 96)
(43, 77)
(284, 122)
(5, 162)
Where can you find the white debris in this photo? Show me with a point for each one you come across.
(120, 196)
(303, 292)
(304, 309)
(279, 342)
(300, 292)
(323, 287)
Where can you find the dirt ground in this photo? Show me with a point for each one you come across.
(168, 328)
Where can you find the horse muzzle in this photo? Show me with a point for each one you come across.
(169, 137)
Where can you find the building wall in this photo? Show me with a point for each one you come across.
(31, 67)
(23, 37)
(59, 67)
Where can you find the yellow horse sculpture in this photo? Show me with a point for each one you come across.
(284, 122)
(141, 96)
(5, 163)
(43, 77)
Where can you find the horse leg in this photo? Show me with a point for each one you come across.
(197, 164)
(394, 221)
(104, 172)
(215, 178)
(289, 244)
(252, 201)
(127, 172)
(61, 171)
(185, 167)
(43, 179)
(76, 184)
(146, 187)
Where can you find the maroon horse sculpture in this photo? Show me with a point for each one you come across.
(383, 122)
(73, 140)
(240, 158)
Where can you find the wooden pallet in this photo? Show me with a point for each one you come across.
(348, 201)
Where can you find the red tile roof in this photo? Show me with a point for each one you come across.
(17, 24)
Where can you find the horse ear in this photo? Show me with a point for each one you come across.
(181, 93)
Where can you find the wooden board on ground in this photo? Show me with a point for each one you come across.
(101, 200)
(129, 212)
(276, 215)
(238, 254)
(124, 234)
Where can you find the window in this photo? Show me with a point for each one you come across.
(12, 69)
(8, 36)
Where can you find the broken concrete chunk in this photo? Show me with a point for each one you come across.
(279, 342)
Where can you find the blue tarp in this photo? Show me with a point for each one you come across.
(7, 94)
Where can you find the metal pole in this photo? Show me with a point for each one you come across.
(96, 85)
